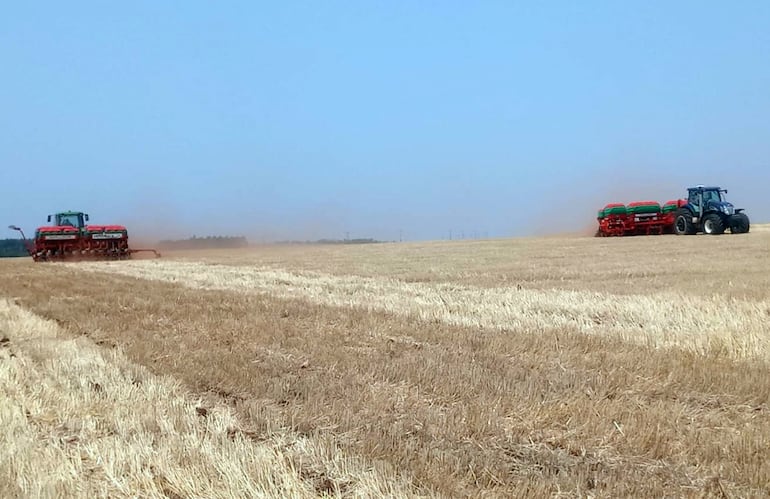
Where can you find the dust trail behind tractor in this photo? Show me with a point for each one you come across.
(71, 238)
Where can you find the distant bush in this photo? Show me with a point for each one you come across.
(12, 247)
(334, 241)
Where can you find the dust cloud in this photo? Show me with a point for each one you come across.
(568, 209)
(571, 210)
(152, 221)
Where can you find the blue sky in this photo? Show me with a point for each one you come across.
(316, 119)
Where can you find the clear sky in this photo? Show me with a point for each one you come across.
(317, 119)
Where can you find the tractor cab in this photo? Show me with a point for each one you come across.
(74, 219)
(705, 200)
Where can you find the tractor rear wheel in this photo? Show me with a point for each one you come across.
(713, 225)
(739, 223)
(683, 225)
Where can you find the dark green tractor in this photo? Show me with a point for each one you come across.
(709, 212)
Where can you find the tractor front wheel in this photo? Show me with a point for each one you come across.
(713, 225)
(739, 224)
(683, 223)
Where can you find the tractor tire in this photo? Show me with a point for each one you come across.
(683, 225)
(713, 224)
(739, 224)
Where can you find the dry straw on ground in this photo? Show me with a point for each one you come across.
(80, 421)
(713, 324)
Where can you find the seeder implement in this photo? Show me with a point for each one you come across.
(71, 239)
(637, 218)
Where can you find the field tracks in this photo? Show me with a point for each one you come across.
(705, 325)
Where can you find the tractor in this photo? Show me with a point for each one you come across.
(706, 210)
(70, 237)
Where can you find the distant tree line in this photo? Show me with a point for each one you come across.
(208, 242)
(12, 247)
(334, 241)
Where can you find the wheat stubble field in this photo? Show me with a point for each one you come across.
(533, 367)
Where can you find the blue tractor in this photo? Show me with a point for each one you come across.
(709, 212)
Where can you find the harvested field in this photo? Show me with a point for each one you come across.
(534, 367)
(712, 325)
(80, 421)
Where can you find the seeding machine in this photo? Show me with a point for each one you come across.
(705, 210)
(71, 238)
